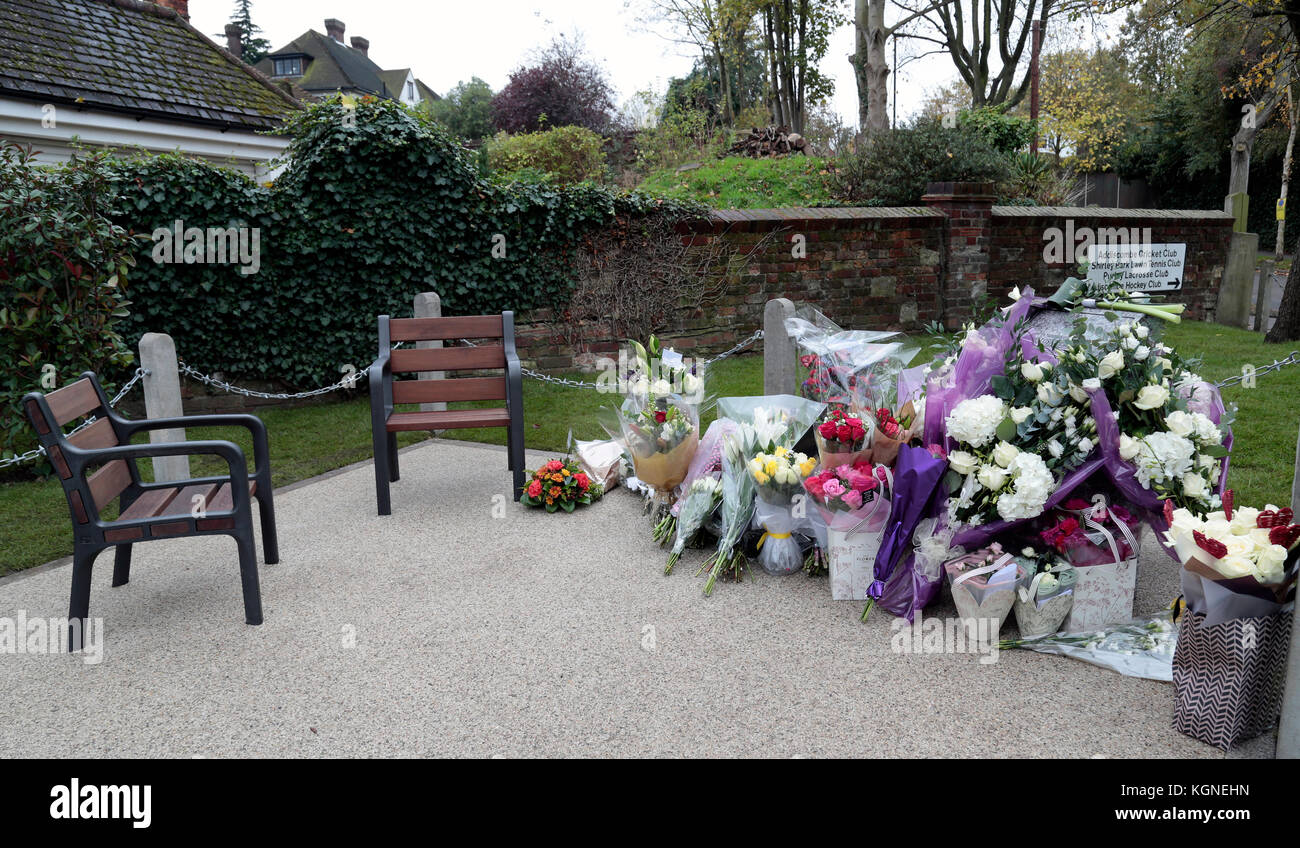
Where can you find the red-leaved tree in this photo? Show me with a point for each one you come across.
(560, 88)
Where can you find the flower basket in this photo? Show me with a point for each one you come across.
(852, 542)
(1104, 554)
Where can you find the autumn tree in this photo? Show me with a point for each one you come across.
(561, 87)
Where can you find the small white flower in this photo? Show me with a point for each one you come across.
(992, 477)
(1085, 446)
(1141, 353)
(1004, 453)
(962, 462)
(1142, 331)
(1020, 414)
(1055, 449)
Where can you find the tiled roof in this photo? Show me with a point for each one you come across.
(337, 67)
(132, 56)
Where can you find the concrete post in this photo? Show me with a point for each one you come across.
(779, 377)
(1233, 308)
(162, 399)
(429, 305)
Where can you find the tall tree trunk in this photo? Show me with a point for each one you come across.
(877, 68)
(724, 80)
(773, 73)
(1287, 326)
(859, 62)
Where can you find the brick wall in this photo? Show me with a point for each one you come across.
(893, 268)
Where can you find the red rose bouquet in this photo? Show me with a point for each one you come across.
(843, 439)
(560, 484)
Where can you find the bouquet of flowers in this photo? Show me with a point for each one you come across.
(847, 369)
(763, 424)
(843, 439)
(560, 484)
(891, 433)
(1175, 450)
(661, 438)
(1081, 533)
(778, 477)
(1237, 562)
(701, 500)
(998, 480)
(649, 371)
(853, 503)
(707, 463)
(1238, 578)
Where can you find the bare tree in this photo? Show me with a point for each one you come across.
(870, 68)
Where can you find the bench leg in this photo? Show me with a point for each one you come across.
(516, 452)
(266, 511)
(380, 440)
(393, 473)
(248, 576)
(122, 565)
(83, 562)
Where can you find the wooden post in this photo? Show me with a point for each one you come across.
(1262, 295)
(162, 399)
(429, 305)
(779, 377)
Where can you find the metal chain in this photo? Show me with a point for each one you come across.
(1292, 359)
(348, 382)
(38, 452)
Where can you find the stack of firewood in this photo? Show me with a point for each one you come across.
(769, 142)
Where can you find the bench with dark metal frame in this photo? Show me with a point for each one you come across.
(385, 393)
(148, 511)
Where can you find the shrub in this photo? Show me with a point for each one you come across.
(63, 277)
(565, 154)
(1005, 133)
(896, 166)
(738, 182)
(466, 111)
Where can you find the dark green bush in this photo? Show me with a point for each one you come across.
(1004, 133)
(375, 206)
(63, 277)
(896, 166)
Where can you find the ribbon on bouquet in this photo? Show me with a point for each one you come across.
(763, 538)
(997, 565)
(1099, 530)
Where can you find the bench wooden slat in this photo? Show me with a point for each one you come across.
(448, 358)
(152, 502)
(465, 388)
(433, 329)
(74, 400)
(108, 482)
(224, 501)
(98, 435)
(183, 503)
(451, 419)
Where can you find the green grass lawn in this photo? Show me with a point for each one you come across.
(307, 441)
(738, 182)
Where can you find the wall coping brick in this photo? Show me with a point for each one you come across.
(1106, 212)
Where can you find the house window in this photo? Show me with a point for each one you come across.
(410, 90)
(291, 67)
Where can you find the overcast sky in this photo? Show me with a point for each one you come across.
(446, 41)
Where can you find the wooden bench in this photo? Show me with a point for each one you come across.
(97, 465)
(387, 393)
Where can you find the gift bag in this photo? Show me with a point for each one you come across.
(852, 542)
(1229, 677)
(985, 592)
(1103, 591)
(1039, 613)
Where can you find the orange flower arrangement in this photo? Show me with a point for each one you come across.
(560, 485)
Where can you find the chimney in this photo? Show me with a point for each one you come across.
(334, 29)
(181, 7)
(361, 44)
(235, 39)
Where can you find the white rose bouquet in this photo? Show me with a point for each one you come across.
(993, 478)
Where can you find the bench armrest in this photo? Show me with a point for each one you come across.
(381, 390)
(255, 426)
